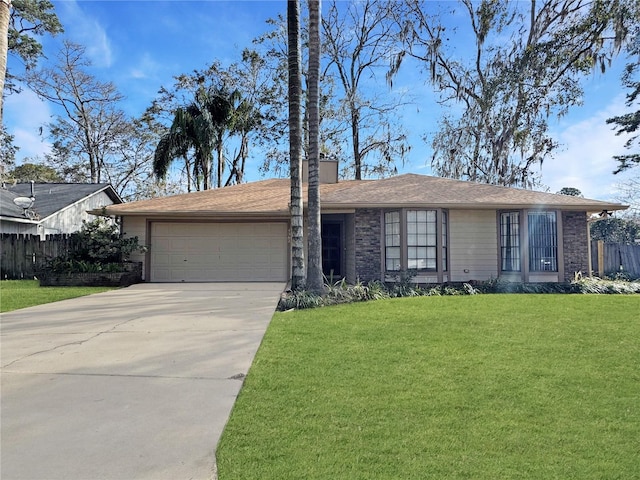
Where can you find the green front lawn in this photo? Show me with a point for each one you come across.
(478, 387)
(15, 294)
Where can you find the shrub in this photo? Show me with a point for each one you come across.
(99, 248)
(341, 292)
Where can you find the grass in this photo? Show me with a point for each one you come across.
(477, 387)
(15, 294)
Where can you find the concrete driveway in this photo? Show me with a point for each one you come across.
(136, 383)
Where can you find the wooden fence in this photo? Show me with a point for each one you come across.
(22, 256)
(612, 258)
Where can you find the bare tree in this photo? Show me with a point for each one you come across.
(525, 65)
(93, 139)
(360, 37)
(359, 120)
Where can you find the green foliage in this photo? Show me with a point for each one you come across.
(572, 191)
(29, 20)
(38, 173)
(99, 248)
(101, 242)
(341, 292)
(629, 123)
(7, 148)
(615, 230)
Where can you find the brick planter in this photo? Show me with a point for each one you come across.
(132, 273)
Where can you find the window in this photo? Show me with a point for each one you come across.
(421, 240)
(411, 240)
(543, 242)
(510, 241)
(392, 241)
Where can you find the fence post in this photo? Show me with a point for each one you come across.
(600, 258)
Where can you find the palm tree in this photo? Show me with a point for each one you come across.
(314, 271)
(5, 7)
(295, 146)
(194, 128)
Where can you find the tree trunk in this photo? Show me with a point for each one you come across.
(5, 7)
(298, 276)
(355, 135)
(220, 162)
(314, 271)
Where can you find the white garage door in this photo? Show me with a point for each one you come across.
(215, 252)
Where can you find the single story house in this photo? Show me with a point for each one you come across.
(441, 229)
(55, 207)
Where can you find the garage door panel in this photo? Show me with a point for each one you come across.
(200, 252)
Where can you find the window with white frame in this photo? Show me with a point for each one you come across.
(543, 241)
(392, 241)
(510, 259)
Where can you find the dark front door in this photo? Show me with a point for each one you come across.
(332, 249)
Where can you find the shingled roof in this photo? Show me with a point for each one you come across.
(271, 198)
(51, 197)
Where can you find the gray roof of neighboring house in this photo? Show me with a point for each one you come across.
(50, 197)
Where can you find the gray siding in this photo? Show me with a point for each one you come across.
(70, 219)
(473, 245)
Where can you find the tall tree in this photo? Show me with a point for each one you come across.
(358, 112)
(29, 19)
(7, 151)
(314, 270)
(91, 119)
(33, 171)
(298, 273)
(5, 7)
(359, 39)
(90, 130)
(194, 128)
(524, 66)
(628, 192)
(256, 117)
(571, 191)
(615, 230)
(629, 123)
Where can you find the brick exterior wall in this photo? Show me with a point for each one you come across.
(368, 229)
(575, 244)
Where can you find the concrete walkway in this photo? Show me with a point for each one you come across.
(129, 384)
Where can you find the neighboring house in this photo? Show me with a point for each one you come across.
(441, 229)
(57, 207)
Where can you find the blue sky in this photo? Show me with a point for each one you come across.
(141, 45)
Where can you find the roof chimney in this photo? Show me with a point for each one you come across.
(328, 171)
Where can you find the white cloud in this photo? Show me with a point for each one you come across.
(86, 30)
(585, 160)
(145, 68)
(25, 116)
